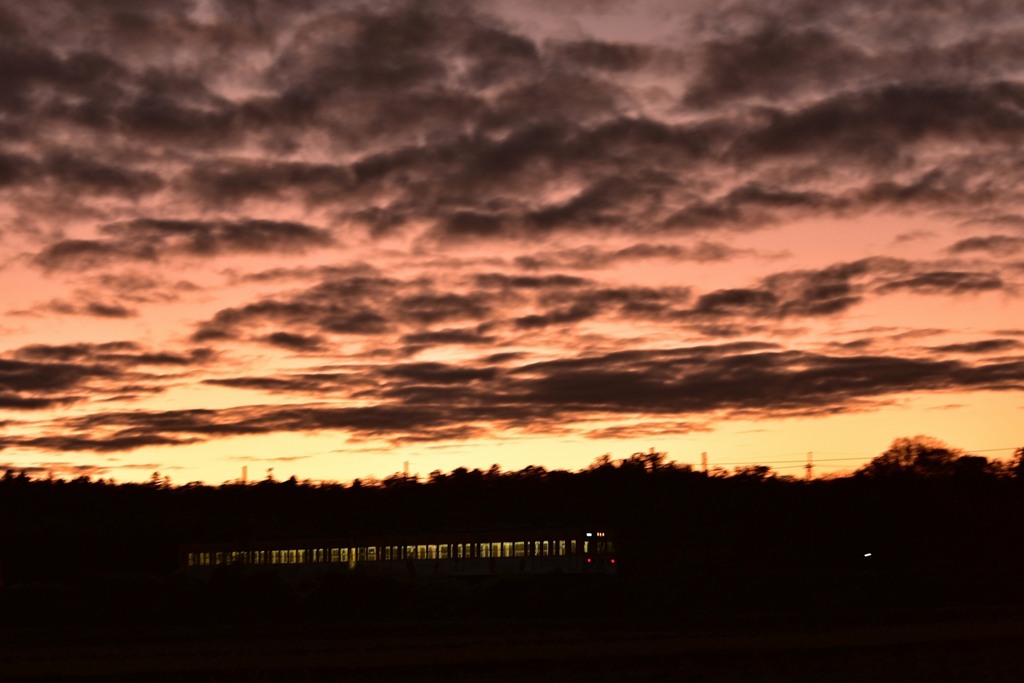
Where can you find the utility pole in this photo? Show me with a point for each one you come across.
(245, 475)
(704, 462)
(809, 467)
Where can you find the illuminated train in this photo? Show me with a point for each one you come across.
(421, 554)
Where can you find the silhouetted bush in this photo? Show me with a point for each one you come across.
(922, 524)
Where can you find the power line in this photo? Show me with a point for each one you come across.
(766, 460)
(810, 461)
(967, 451)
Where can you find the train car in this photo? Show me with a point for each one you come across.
(477, 553)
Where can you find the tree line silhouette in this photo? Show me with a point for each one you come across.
(922, 524)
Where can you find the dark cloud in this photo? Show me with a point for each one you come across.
(828, 291)
(68, 352)
(17, 375)
(446, 337)
(149, 240)
(997, 245)
(773, 64)
(837, 288)
(497, 302)
(589, 258)
(83, 254)
(302, 384)
(85, 307)
(295, 342)
(983, 346)
(357, 305)
(41, 376)
(103, 310)
(138, 287)
(430, 308)
(876, 124)
(946, 282)
(406, 115)
(77, 173)
(611, 302)
(17, 402)
(100, 445)
(425, 401)
(501, 280)
(594, 54)
(351, 306)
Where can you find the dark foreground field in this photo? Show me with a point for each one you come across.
(908, 571)
(899, 647)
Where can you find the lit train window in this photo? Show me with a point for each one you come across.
(546, 550)
(443, 551)
(520, 549)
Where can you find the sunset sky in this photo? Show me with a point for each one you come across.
(331, 237)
